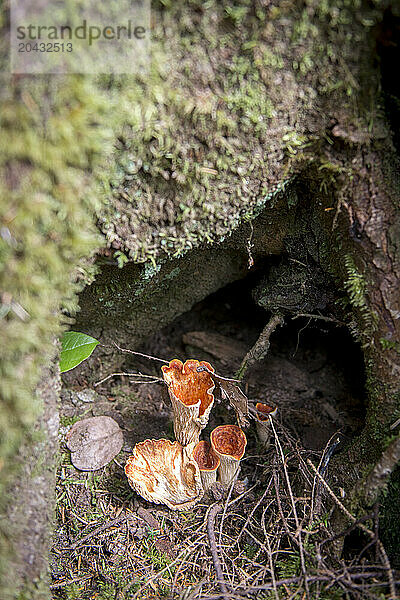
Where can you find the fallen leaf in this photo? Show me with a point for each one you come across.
(231, 392)
(237, 399)
(94, 442)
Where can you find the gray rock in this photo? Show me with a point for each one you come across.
(87, 395)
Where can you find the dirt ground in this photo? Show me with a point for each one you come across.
(273, 538)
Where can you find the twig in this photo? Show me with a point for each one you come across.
(141, 354)
(70, 581)
(226, 504)
(201, 368)
(213, 547)
(270, 558)
(150, 580)
(382, 550)
(100, 529)
(321, 317)
(153, 377)
(395, 424)
(253, 510)
(330, 446)
(298, 336)
(261, 347)
(240, 593)
(289, 487)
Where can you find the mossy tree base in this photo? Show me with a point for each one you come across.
(243, 100)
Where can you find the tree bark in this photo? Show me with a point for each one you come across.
(258, 132)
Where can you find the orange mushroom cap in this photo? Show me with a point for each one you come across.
(162, 471)
(205, 457)
(265, 410)
(229, 440)
(189, 385)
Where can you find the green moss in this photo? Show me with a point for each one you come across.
(56, 135)
(390, 345)
(356, 287)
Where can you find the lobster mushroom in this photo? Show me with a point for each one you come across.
(229, 443)
(263, 427)
(191, 396)
(165, 472)
(208, 462)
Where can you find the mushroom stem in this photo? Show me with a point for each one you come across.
(187, 427)
(229, 443)
(263, 433)
(208, 478)
(228, 470)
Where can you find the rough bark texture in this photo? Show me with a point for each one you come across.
(31, 508)
(259, 132)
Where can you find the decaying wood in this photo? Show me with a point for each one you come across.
(228, 350)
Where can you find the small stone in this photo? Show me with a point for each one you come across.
(94, 442)
(87, 395)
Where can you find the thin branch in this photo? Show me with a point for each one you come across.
(153, 377)
(204, 368)
(261, 347)
(141, 354)
(100, 529)
(213, 547)
(289, 487)
(321, 317)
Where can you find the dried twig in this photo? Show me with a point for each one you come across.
(289, 487)
(261, 347)
(217, 508)
(100, 529)
(366, 530)
(140, 354)
(153, 378)
(321, 317)
(71, 581)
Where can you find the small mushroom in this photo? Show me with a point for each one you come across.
(264, 411)
(208, 463)
(191, 396)
(164, 472)
(229, 443)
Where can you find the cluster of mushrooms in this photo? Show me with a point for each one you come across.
(179, 473)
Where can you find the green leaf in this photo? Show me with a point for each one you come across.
(75, 348)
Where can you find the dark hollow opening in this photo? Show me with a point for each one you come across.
(388, 48)
(313, 371)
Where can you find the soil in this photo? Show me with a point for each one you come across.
(313, 373)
